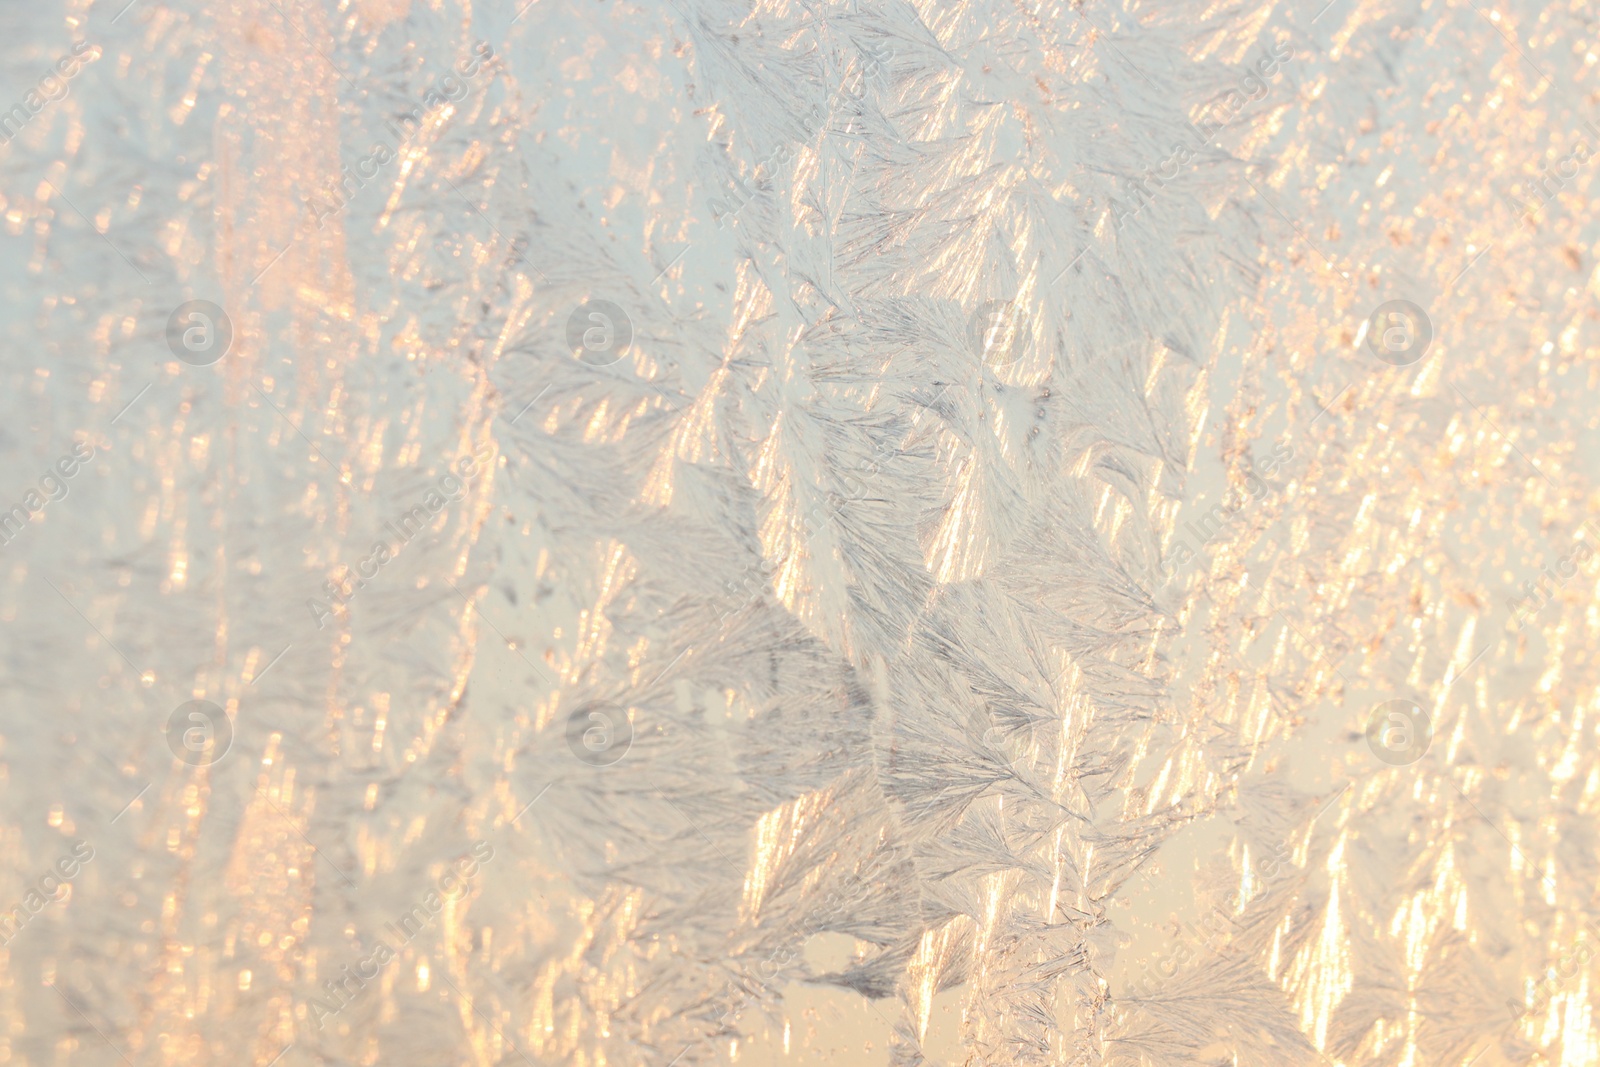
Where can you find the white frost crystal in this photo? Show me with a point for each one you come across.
(974, 533)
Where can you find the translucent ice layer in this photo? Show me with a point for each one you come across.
(632, 535)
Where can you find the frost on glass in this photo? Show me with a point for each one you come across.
(871, 533)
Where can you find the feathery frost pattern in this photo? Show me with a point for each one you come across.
(968, 533)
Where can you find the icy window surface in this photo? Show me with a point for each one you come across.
(977, 533)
